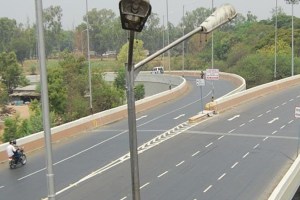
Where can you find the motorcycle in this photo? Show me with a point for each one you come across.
(13, 163)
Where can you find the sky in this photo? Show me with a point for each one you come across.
(74, 10)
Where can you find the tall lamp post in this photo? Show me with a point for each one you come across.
(45, 99)
(134, 22)
(134, 14)
(292, 2)
(275, 56)
(212, 54)
(89, 57)
(183, 45)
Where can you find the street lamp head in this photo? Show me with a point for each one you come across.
(292, 1)
(221, 16)
(134, 14)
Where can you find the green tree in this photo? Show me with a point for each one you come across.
(53, 28)
(10, 129)
(8, 28)
(10, 71)
(138, 52)
(139, 91)
(120, 80)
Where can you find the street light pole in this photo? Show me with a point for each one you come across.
(133, 14)
(89, 58)
(292, 2)
(183, 41)
(168, 30)
(132, 122)
(212, 54)
(45, 100)
(275, 61)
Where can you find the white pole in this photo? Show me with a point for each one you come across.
(45, 100)
(183, 41)
(169, 53)
(89, 58)
(275, 62)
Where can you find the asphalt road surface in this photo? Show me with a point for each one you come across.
(79, 158)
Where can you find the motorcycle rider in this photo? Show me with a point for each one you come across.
(12, 151)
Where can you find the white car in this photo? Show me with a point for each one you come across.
(157, 70)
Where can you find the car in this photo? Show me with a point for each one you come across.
(157, 70)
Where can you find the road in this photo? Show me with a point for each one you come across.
(77, 157)
(240, 154)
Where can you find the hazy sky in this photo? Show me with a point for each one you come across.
(73, 10)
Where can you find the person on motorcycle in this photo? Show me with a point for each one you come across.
(12, 150)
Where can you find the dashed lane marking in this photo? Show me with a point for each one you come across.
(195, 153)
(255, 146)
(234, 165)
(222, 176)
(246, 155)
(208, 145)
(162, 174)
(144, 185)
(180, 163)
(208, 188)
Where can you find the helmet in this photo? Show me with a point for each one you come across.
(13, 142)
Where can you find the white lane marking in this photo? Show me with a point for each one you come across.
(222, 176)
(282, 127)
(246, 155)
(220, 137)
(208, 188)
(180, 163)
(291, 100)
(265, 138)
(260, 115)
(123, 198)
(276, 107)
(234, 117)
(274, 132)
(234, 165)
(283, 103)
(144, 185)
(242, 125)
(208, 145)
(195, 153)
(231, 131)
(141, 117)
(162, 174)
(1, 187)
(268, 111)
(32, 174)
(182, 115)
(255, 146)
(251, 120)
(273, 120)
(291, 121)
(298, 96)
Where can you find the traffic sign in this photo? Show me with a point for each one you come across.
(297, 112)
(200, 82)
(212, 74)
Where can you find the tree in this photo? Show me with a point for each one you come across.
(10, 71)
(53, 28)
(3, 95)
(120, 81)
(138, 52)
(8, 28)
(139, 91)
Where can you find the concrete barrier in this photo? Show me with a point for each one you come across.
(229, 101)
(36, 141)
(289, 184)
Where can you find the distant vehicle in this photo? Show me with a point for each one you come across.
(109, 53)
(157, 70)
